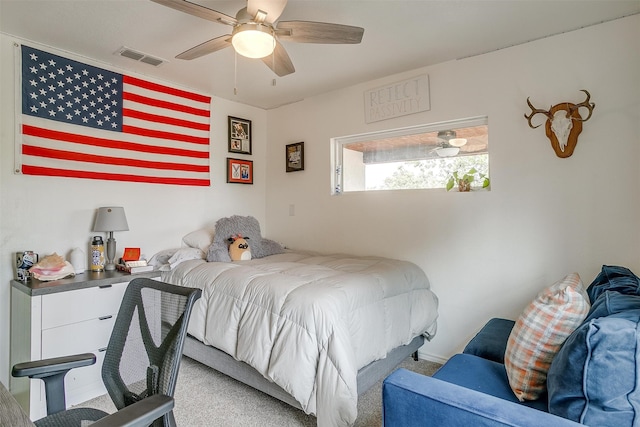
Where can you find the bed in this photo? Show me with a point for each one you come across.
(312, 330)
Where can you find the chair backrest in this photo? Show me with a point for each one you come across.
(144, 352)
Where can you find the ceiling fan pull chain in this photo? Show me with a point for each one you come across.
(273, 62)
(235, 73)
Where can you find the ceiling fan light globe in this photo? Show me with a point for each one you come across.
(457, 142)
(447, 151)
(253, 40)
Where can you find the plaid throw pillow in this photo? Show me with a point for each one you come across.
(539, 333)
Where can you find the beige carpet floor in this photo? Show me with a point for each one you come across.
(206, 398)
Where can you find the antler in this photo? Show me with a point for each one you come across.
(586, 104)
(535, 111)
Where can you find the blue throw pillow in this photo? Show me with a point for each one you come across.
(611, 302)
(592, 379)
(614, 278)
(491, 341)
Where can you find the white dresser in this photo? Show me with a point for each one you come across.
(61, 318)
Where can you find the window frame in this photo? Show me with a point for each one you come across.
(338, 144)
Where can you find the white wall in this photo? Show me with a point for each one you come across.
(56, 214)
(486, 253)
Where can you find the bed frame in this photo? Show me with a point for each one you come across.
(222, 362)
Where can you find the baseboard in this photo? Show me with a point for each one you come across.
(431, 357)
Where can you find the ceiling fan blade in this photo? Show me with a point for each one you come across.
(273, 8)
(207, 47)
(199, 11)
(279, 61)
(318, 32)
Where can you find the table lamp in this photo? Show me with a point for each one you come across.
(110, 219)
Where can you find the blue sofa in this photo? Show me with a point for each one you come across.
(593, 380)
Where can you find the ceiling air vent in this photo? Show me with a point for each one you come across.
(139, 56)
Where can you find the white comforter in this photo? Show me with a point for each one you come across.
(308, 322)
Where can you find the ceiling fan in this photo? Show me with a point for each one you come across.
(450, 144)
(256, 34)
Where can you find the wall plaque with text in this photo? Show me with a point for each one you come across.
(397, 99)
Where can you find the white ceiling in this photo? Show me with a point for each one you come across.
(399, 36)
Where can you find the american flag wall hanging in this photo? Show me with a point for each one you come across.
(81, 121)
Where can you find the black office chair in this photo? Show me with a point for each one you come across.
(141, 360)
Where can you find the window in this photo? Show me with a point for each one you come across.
(416, 157)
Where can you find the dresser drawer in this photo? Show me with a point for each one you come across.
(82, 384)
(90, 336)
(82, 337)
(83, 304)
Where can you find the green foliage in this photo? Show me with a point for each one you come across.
(464, 182)
(412, 175)
(431, 173)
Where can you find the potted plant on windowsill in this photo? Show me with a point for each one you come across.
(464, 181)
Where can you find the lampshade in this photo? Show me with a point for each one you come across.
(253, 40)
(111, 219)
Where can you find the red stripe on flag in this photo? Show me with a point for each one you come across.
(51, 153)
(134, 130)
(109, 143)
(37, 170)
(128, 112)
(133, 97)
(165, 89)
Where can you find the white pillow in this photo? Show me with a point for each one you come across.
(200, 239)
(185, 254)
(161, 258)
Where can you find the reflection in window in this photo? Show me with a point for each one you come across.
(417, 157)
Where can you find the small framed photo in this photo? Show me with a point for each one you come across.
(239, 135)
(295, 157)
(239, 171)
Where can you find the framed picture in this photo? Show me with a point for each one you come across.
(239, 135)
(295, 157)
(239, 171)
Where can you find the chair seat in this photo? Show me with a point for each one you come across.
(483, 375)
(71, 418)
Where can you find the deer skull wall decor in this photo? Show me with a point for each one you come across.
(564, 124)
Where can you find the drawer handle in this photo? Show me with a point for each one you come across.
(105, 317)
(103, 349)
(104, 286)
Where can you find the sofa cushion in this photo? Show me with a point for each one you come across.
(413, 400)
(540, 331)
(594, 378)
(491, 341)
(483, 375)
(614, 278)
(611, 302)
